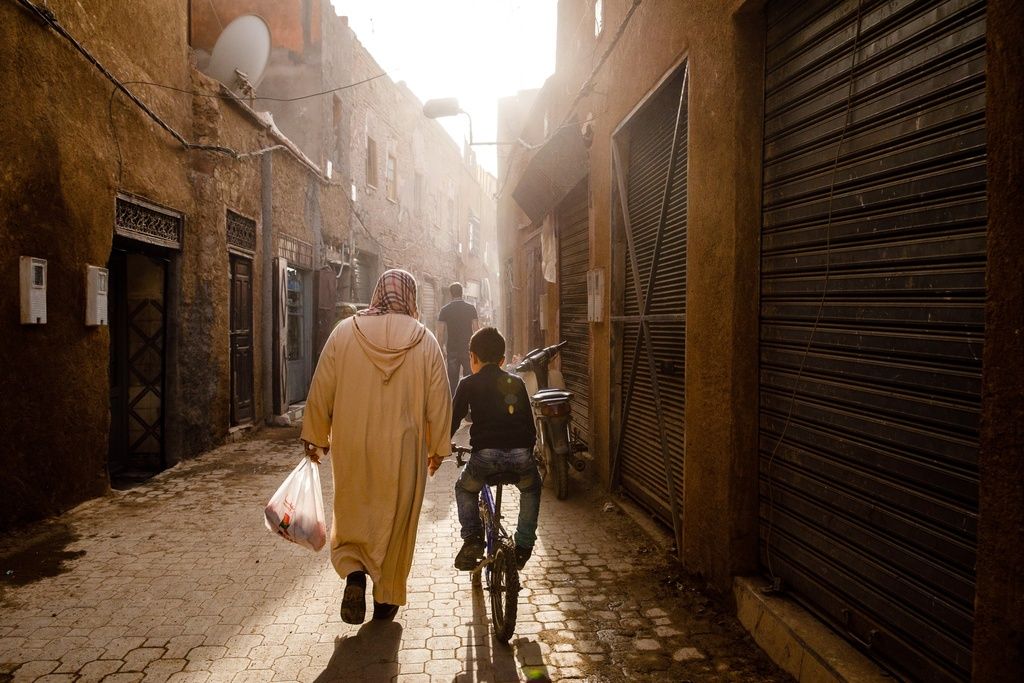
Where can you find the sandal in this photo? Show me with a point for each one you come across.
(353, 604)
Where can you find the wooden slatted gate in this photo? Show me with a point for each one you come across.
(872, 320)
(650, 165)
(573, 261)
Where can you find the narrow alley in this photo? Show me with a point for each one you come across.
(178, 580)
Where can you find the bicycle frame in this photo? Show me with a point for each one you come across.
(494, 532)
(493, 528)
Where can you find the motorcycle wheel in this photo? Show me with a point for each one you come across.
(560, 468)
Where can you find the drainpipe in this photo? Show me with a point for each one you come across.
(267, 305)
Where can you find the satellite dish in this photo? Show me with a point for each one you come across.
(242, 48)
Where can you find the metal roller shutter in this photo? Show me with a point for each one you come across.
(872, 320)
(573, 262)
(651, 162)
(428, 303)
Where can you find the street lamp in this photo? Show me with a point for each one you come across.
(449, 106)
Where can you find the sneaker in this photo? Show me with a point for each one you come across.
(353, 604)
(522, 555)
(471, 554)
(383, 611)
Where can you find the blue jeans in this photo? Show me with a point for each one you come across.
(458, 363)
(486, 462)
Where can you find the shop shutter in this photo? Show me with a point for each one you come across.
(872, 320)
(573, 262)
(428, 303)
(650, 170)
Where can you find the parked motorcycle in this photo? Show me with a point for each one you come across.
(558, 445)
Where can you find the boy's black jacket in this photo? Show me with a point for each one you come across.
(500, 407)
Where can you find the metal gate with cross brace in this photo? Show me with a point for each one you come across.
(649, 154)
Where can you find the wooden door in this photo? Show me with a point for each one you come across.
(241, 341)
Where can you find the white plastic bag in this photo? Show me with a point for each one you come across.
(296, 511)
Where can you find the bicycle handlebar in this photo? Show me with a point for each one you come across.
(545, 354)
(459, 451)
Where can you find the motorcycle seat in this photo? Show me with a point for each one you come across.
(551, 396)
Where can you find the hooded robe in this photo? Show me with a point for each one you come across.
(380, 398)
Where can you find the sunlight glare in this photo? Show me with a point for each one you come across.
(475, 50)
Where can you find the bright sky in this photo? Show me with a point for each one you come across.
(475, 50)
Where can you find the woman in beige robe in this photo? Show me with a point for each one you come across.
(380, 404)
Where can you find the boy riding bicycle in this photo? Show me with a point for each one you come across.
(502, 437)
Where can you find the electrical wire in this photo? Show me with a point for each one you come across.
(47, 18)
(113, 134)
(847, 116)
(232, 96)
(216, 16)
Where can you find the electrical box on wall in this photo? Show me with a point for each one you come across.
(96, 286)
(33, 290)
(595, 295)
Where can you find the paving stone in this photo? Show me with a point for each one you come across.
(254, 676)
(162, 669)
(97, 670)
(687, 654)
(74, 660)
(138, 659)
(31, 670)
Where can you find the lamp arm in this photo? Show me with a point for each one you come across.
(470, 119)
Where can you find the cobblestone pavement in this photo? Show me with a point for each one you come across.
(178, 580)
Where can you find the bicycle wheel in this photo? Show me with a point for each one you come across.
(503, 584)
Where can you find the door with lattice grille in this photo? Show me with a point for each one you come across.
(138, 325)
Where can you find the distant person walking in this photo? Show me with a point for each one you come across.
(456, 323)
(377, 403)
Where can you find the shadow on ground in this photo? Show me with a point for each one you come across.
(369, 655)
(490, 660)
(43, 557)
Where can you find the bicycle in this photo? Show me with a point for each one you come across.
(498, 567)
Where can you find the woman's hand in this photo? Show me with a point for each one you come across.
(433, 463)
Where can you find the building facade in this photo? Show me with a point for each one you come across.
(225, 229)
(414, 194)
(764, 230)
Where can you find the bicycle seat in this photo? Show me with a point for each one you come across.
(502, 478)
(550, 395)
